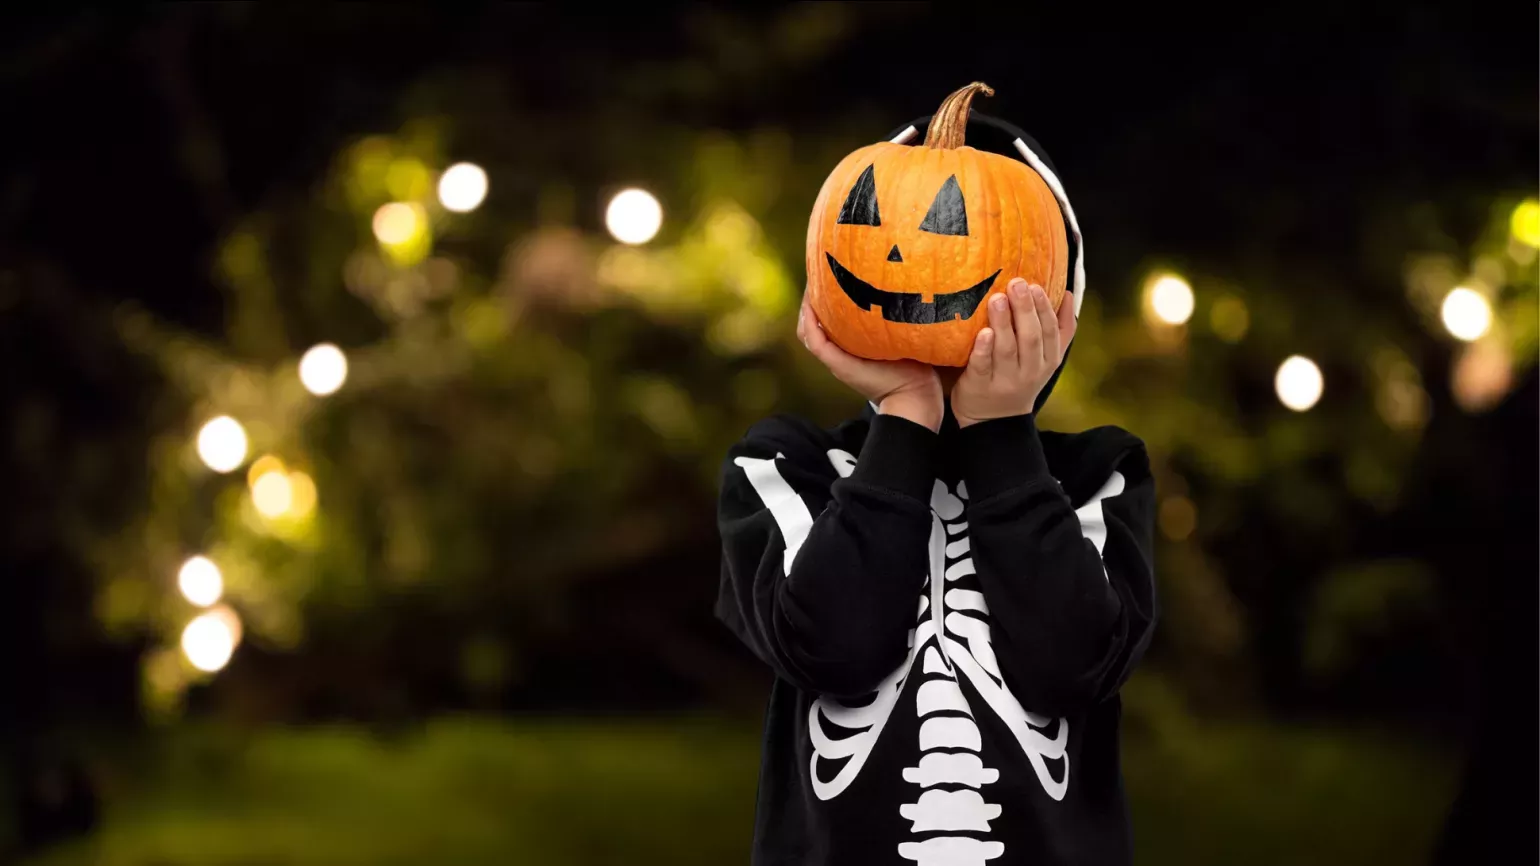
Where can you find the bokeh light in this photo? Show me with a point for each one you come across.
(1298, 383)
(1466, 313)
(1482, 375)
(200, 581)
(261, 466)
(396, 223)
(1169, 299)
(208, 642)
(408, 179)
(323, 369)
(272, 494)
(462, 187)
(633, 216)
(302, 494)
(222, 444)
(1525, 223)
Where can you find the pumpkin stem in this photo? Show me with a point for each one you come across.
(951, 119)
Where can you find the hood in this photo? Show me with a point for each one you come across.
(997, 136)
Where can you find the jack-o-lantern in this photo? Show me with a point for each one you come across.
(906, 242)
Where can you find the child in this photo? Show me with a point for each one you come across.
(950, 599)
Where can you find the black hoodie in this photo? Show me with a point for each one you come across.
(949, 617)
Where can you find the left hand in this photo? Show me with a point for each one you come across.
(1015, 356)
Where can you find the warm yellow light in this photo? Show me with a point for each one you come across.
(1298, 383)
(227, 615)
(1525, 224)
(261, 466)
(1482, 375)
(1466, 313)
(634, 216)
(462, 187)
(272, 494)
(396, 223)
(222, 444)
(208, 642)
(302, 494)
(200, 581)
(323, 369)
(1170, 299)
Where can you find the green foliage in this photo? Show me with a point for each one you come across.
(531, 405)
(1357, 604)
(464, 791)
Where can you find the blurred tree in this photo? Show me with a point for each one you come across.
(513, 487)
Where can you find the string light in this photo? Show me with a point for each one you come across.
(1466, 313)
(395, 223)
(1298, 383)
(200, 581)
(208, 642)
(222, 444)
(1170, 299)
(272, 494)
(302, 494)
(1525, 224)
(1482, 375)
(462, 187)
(323, 369)
(633, 216)
(261, 466)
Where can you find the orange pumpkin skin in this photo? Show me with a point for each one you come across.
(1014, 228)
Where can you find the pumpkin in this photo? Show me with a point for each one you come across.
(906, 243)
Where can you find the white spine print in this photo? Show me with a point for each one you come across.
(949, 739)
(951, 641)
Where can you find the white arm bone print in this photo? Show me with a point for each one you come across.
(951, 637)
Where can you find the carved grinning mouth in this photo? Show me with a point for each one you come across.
(908, 307)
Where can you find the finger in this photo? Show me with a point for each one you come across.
(982, 361)
(1005, 333)
(823, 348)
(813, 336)
(1067, 322)
(810, 329)
(1029, 334)
(1047, 324)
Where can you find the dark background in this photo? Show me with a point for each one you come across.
(493, 640)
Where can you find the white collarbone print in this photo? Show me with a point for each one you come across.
(951, 637)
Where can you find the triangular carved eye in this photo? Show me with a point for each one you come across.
(860, 208)
(947, 215)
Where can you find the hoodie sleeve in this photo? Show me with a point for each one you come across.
(822, 564)
(1071, 592)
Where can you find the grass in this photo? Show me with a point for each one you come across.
(480, 791)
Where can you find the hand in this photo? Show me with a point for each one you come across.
(908, 389)
(1015, 356)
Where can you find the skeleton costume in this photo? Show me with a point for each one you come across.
(949, 618)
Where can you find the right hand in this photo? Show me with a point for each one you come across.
(908, 389)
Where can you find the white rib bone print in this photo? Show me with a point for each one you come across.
(951, 636)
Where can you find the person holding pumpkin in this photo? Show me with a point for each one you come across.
(944, 285)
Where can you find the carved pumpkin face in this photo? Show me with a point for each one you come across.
(906, 243)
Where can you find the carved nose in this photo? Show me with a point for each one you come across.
(894, 255)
